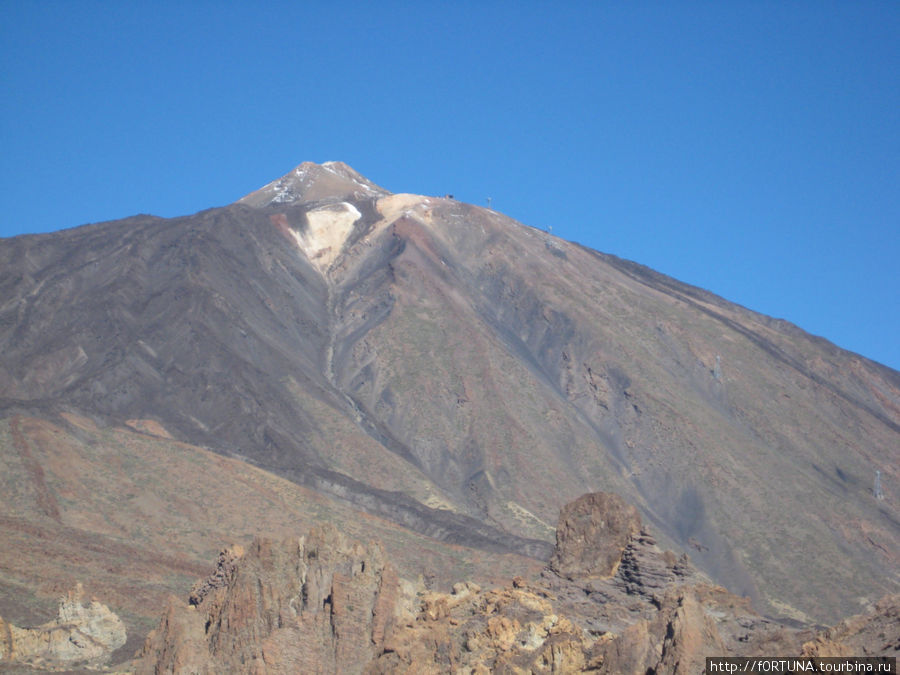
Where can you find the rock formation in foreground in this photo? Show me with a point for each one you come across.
(323, 603)
(82, 636)
(320, 603)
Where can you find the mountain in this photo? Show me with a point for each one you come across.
(427, 371)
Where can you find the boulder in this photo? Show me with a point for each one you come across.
(592, 535)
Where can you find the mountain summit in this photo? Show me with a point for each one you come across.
(430, 371)
(311, 182)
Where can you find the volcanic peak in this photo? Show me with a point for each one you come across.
(312, 182)
(330, 196)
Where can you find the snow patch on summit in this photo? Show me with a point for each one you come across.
(314, 182)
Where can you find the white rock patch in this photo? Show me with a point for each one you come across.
(329, 227)
(394, 206)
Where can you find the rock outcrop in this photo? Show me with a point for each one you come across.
(610, 602)
(510, 629)
(592, 534)
(82, 635)
(875, 633)
(320, 603)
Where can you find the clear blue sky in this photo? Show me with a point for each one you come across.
(750, 148)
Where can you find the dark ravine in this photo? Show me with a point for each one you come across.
(447, 372)
(439, 524)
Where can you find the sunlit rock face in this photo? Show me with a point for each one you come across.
(324, 603)
(319, 603)
(82, 635)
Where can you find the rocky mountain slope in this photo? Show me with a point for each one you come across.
(435, 368)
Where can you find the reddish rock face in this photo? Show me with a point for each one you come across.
(592, 534)
(319, 603)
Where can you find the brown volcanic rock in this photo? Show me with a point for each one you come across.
(319, 603)
(538, 628)
(691, 623)
(326, 604)
(514, 630)
(874, 633)
(82, 635)
(592, 534)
